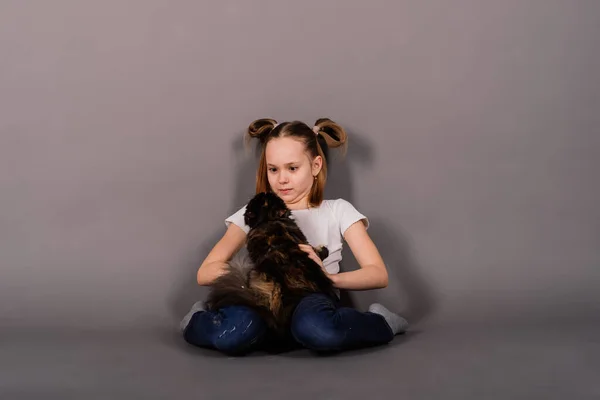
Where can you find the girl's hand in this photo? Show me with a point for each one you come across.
(312, 255)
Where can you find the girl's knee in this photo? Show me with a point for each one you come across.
(232, 343)
(238, 330)
(232, 330)
(314, 325)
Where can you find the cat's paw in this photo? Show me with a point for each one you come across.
(322, 252)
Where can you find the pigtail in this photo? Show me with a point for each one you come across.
(260, 129)
(331, 134)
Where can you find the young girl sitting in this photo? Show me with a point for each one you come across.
(293, 165)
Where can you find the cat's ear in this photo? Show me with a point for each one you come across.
(284, 213)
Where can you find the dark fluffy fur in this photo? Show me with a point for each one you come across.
(281, 273)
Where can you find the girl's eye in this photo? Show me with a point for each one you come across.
(272, 169)
(293, 168)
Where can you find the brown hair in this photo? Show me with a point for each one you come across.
(328, 135)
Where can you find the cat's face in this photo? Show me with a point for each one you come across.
(266, 206)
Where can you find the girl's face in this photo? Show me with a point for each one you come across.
(290, 171)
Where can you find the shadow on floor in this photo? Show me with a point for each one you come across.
(174, 339)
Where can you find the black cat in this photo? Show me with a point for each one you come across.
(281, 273)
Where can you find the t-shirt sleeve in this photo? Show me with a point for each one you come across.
(347, 215)
(238, 219)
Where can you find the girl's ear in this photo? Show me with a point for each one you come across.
(317, 164)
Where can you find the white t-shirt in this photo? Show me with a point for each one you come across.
(323, 225)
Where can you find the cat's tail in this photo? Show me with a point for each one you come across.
(231, 289)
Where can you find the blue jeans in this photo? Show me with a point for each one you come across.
(318, 323)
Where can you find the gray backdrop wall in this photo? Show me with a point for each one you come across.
(474, 143)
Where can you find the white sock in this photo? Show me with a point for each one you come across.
(198, 306)
(396, 322)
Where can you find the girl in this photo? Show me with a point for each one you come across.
(293, 165)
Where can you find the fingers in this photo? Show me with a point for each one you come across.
(307, 249)
(311, 253)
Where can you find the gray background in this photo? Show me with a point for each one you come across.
(473, 147)
(474, 136)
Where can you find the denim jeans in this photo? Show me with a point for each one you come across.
(318, 323)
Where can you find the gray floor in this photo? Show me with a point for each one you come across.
(430, 362)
